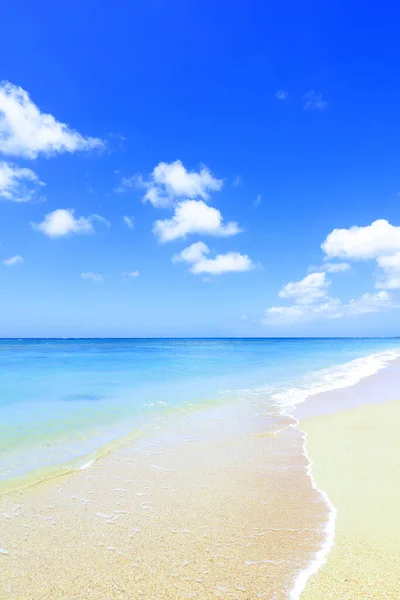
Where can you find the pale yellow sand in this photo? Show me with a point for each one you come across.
(207, 507)
(356, 460)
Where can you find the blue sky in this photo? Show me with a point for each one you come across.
(236, 137)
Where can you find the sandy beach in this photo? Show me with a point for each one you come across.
(219, 503)
(355, 455)
(211, 505)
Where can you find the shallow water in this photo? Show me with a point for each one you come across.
(62, 400)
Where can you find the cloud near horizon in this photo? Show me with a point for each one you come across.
(307, 291)
(331, 308)
(379, 241)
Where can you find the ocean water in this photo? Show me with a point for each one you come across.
(61, 401)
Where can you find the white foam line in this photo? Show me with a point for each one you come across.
(336, 377)
(375, 362)
(323, 380)
(87, 464)
(320, 557)
(159, 468)
(104, 516)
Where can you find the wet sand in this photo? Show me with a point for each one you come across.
(211, 505)
(356, 460)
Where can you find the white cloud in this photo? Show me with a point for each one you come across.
(380, 241)
(132, 274)
(26, 132)
(331, 308)
(391, 268)
(62, 222)
(193, 216)
(192, 253)
(231, 262)
(281, 95)
(18, 184)
(129, 221)
(370, 303)
(13, 260)
(308, 290)
(284, 315)
(100, 219)
(328, 267)
(196, 256)
(128, 183)
(237, 181)
(258, 200)
(170, 182)
(297, 313)
(156, 198)
(339, 267)
(288, 315)
(363, 243)
(92, 276)
(314, 101)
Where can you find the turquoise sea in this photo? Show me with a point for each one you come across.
(61, 400)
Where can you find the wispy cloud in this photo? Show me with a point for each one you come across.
(390, 277)
(314, 101)
(13, 260)
(308, 290)
(128, 183)
(331, 308)
(331, 267)
(18, 184)
(281, 95)
(92, 276)
(237, 181)
(129, 221)
(258, 200)
(340, 267)
(26, 132)
(370, 303)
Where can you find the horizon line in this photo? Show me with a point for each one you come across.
(64, 338)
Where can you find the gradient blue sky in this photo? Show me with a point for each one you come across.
(198, 82)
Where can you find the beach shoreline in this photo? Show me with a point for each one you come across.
(242, 467)
(354, 455)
